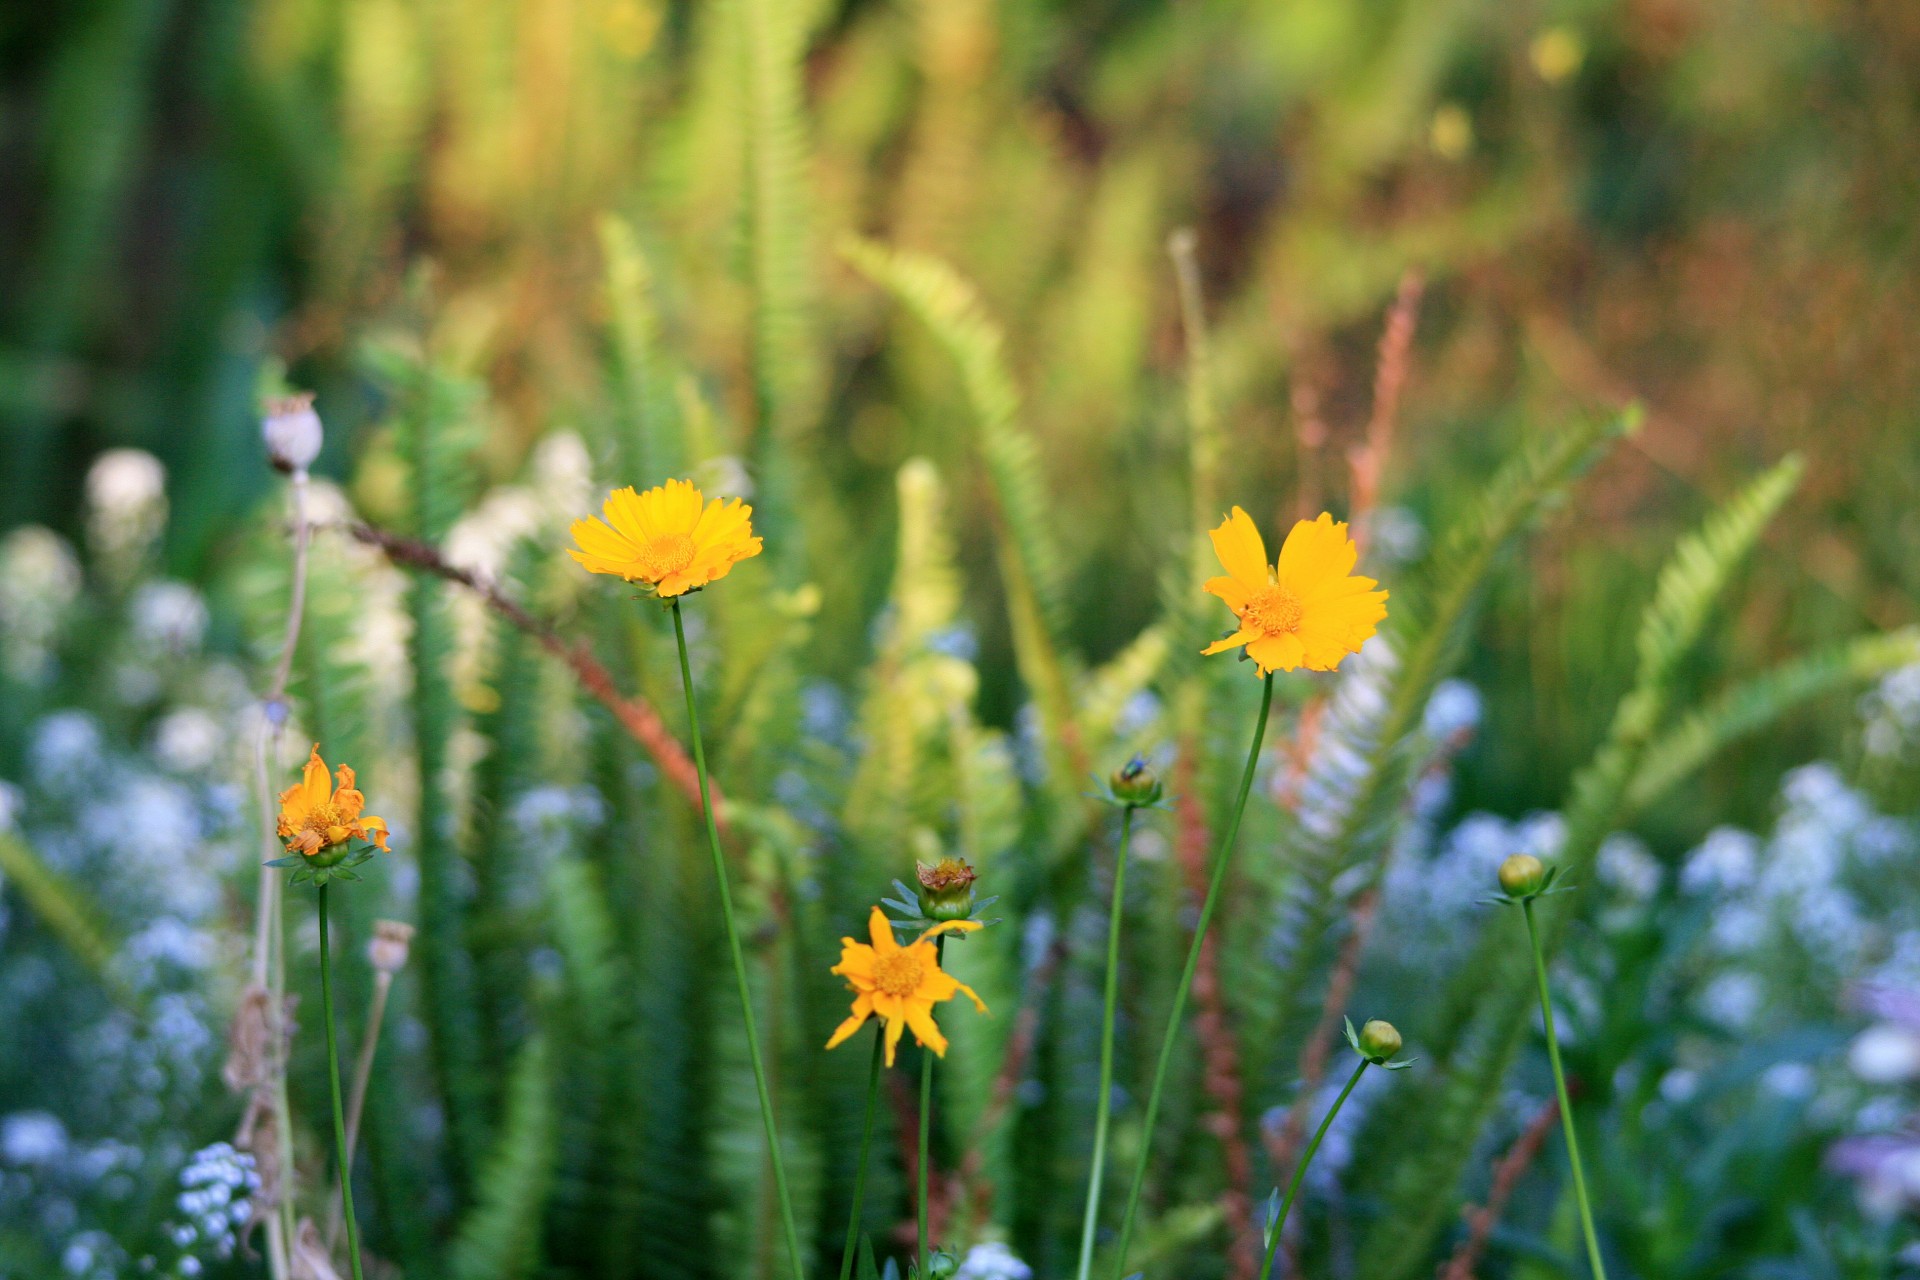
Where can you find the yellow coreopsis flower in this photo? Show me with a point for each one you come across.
(900, 985)
(1309, 610)
(669, 537)
(316, 817)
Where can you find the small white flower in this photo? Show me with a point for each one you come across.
(992, 1261)
(1886, 1053)
(32, 1138)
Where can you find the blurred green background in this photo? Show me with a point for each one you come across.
(524, 251)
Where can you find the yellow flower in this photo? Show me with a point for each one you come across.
(666, 538)
(1307, 611)
(899, 984)
(315, 816)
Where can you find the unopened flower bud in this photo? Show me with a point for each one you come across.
(1522, 875)
(1134, 784)
(292, 431)
(388, 950)
(1378, 1041)
(941, 1265)
(946, 889)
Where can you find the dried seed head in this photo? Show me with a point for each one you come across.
(388, 950)
(946, 889)
(293, 433)
(249, 1040)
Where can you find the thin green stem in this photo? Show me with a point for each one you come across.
(333, 1082)
(866, 1145)
(739, 956)
(1104, 1109)
(1560, 1088)
(1221, 857)
(926, 1131)
(1300, 1171)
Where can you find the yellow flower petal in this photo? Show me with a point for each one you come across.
(925, 1029)
(1315, 552)
(1242, 552)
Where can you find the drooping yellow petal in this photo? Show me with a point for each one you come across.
(862, 1009)
(1233, 641)
(949, 926)
(376, 831)
(894, 1027)
(1283, 652)
(1242, 552)
(925, 1029)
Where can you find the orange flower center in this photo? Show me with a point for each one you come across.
(668, 553)
(1273, 609)
(899, 973)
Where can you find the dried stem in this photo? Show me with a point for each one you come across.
(1506, 1176)
(636, 715)
(1369, 459)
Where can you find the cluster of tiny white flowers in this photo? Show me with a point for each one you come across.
(992, 1261)
(213, 1203)
(1890, 714)
(40, 579)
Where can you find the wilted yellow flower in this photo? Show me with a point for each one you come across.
(900, 985)
(668, 537)
(1308, 610)
(315, 816)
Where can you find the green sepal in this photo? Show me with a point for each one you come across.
(291, 860)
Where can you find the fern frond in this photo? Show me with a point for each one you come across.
(1750, 706)
(1486, 1010)
(499, 1239)
(647, 431)
(1030, 560)
(954, 314)
(437, 433)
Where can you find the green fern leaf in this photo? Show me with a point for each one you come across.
(500, 1237)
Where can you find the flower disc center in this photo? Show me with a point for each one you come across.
(668, 553)
(1274, 610)
(899, 974)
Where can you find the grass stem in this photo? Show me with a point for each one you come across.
(1221, 858)
(774, 1155)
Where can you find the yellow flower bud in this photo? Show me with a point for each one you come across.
(1522, 875)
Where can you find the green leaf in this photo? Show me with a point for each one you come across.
(499, 1239)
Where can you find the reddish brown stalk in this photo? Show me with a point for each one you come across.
(1506, 1176)
(1220, 1057)
(635, 714)
(974, 1185)
(1310, 433)
(1368, 459)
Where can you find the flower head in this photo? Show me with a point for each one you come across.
(317, 818)
(1309, 610)
(666, 538)
(900, 985)
(946, 889)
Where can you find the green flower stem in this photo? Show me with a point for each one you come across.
(926, 1131)
(866, 1145)
(739, 956)
(333, 1082)
(1221, 857)
(1560, 1088)
(1103, 1111)
(1300, 1171)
